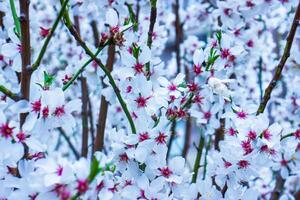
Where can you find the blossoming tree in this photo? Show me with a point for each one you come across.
(149, 99)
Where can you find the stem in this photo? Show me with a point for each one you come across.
(91, 120)
(25, 54)
(95, 33)
(179, 34)
(153, 15)
(219, 134)
(188, 129)
(84, 113)
(173, 134)
(280, 66)
(99, 140)
(205, 158)
(72, 147)
(15, 17)
(198, 158)
(84, 105)
(260, 83)
(36, 64)
(105, 70)
(81, 69)
(9, 93)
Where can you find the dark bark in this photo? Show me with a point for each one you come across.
(99, 140)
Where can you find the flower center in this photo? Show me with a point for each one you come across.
(165, 172)
(161, 138)
(59, 111)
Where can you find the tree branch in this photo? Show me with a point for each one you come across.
(36, 64)
(99, 140)
(84, 105)
(25, 53)
(289, 41)
(9, 93)
(77, 37)
(280, 66)
(153, 15)
(198, 158)
(72, 147)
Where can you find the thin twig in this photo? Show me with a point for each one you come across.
(153, 15)
(15, 17)
(178, 34)
(72, 147)
(187, 136)
(9, 93)
(95, 33)
(219, 134)
(173, 135)
(198, 158)
(36, 64)
(91, 120)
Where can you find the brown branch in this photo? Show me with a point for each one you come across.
(279, 184)
(84, 105)
(153, 15)
(187, 138)
(280, 66)
(2, 14)
(178, 34)
(95, 33)
(137, 13)
(219, 134)
(173, 134)
(25, 53)
(99, 140)
(91, 120)
(84, 119)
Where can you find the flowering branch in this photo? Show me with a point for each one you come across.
(279, 184)
(280, 66)
(77, 37)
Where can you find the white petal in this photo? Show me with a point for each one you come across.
(9, 50)
(22, 106)
(198, 57)
(145, 55)
(112, 17)
(177, 164)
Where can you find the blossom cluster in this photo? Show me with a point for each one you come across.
(108, 100)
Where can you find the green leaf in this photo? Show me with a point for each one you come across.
(219, 36)
(94, 170)
(48, 79)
